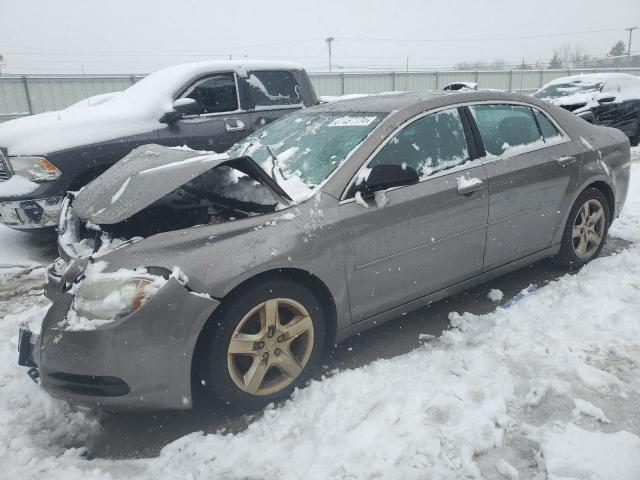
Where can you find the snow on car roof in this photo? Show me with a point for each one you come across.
(591, 77)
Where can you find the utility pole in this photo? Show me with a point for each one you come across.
(1, 60)
(630, 30)
(329, 41)
(406, 74)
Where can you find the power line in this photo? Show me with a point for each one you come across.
(477, 39)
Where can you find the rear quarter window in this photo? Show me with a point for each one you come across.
(549, 131)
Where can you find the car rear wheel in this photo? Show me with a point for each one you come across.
(586, 230)
(265, 342)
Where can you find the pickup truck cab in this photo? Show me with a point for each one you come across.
(204, 105)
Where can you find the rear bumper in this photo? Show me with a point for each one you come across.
(140, 362)
(28, 214)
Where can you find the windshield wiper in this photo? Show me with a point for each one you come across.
(274, 162)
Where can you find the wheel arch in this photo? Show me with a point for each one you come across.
(608, 192)
(308, 279)
(600, 183)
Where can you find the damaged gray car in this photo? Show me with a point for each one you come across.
(236, 272)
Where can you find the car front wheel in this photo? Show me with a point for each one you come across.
(586, 230)
(265, 342)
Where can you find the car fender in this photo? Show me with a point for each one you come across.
(585, 183)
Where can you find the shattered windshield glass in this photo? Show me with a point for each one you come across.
(303, 149)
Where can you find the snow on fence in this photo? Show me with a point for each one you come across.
(26, 94)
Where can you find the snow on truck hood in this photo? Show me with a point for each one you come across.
(133, 111)
(149, 173)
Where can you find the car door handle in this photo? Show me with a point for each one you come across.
(470, 187)
(238, 127)
(564, 161)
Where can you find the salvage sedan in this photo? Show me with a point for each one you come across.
(608, 99)
(236, 272)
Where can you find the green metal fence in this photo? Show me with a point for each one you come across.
(27, 94)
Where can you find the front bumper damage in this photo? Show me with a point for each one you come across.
(30, 213)
(141, 361)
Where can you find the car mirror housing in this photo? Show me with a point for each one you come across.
(382, 177)
(182, 107)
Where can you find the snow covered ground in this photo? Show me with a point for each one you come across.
(546, 386)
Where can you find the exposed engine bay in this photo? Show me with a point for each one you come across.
(220, 194)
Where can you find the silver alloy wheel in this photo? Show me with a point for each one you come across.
(588, 229)
(270, 346)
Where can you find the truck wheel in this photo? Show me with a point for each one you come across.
(265, 342)
(586, 230)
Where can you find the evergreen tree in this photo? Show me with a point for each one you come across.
(618, 49)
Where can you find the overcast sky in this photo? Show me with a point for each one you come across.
(136, 36)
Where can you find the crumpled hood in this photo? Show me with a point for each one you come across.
(143, 176)
(149, 173)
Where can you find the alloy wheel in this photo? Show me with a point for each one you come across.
(270, 346)
(588, 229)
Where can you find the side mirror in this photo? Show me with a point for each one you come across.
(181, 108)
(382, 177)
(607, 99)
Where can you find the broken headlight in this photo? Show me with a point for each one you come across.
(111, 298)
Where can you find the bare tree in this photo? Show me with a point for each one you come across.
(523, 66)
(565, 55)
(1, 63)
(579, 56)
(478, 65)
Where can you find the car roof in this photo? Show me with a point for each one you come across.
(399, 102)
(596, 77)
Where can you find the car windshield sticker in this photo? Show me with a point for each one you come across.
(352, 121)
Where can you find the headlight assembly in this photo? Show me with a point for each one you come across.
(111, 298)
(37, 169)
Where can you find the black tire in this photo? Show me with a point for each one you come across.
(568, 256)
(213, 370)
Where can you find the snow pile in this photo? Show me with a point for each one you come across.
(495, 295)
(572, 452)
(466, 182)
(21, 249)
(494, 396)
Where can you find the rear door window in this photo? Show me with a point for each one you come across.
(215, 94)
(507, 129)
(273, 88)
(430, 144)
